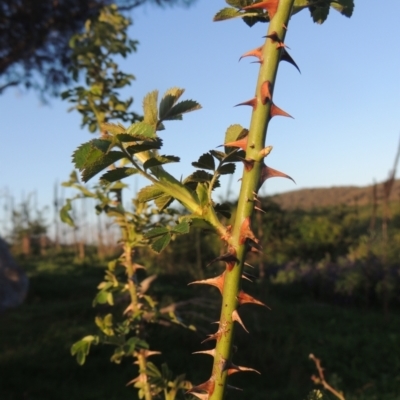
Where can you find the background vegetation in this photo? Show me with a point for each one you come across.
(323, 276)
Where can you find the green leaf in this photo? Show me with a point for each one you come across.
(319, 13)
(150, 109)
(227, 13)
(253, 19)
(64, 214)
(118, 174)
(182, 108)
(206, 161)
(159, 160)
(161, 243)
(219, 155)
(103, 161)
(227, 169)
(345, 7)
(182, 228)
(142, 130)
(202, 193)
(223, 209)
(145, 146)
(101, 144)
(170, 98)
(155, 232)
(113, 128)
(233, 133)
(149, 193)
(199, 176)
(163, 202)
(82, 347)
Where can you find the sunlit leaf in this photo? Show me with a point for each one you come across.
(171, 96)
(182, 108)
(64, 213)
(102, 162)
(149, 193)
(145, 146)
(150, 108)
(142, 130)
(163, 202)
(113, 128)
(159, 160)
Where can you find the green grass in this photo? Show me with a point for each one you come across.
(359, 348)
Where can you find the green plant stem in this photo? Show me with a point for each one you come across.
(250, 185)
(142, 361)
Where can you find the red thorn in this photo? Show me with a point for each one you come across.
(265, 92)
(270, 5)
(201, 396)
(233, 388)
(285, 56)
(254, 53)
(218, 282)
(276, 39)
(248, 163)
(208, 352)
(252, 103)
(232, 369)
(216, 336)
(268, 172)
(229, 258)
(246, 278)
(275, 111)
(207, 387)
(244, 298)
(235, 317)
(246, 232)
(241, 140)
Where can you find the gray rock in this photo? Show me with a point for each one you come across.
(13, 280)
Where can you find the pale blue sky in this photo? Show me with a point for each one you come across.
(346, 102)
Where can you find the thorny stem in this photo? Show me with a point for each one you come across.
(250, 185)
(142, 361)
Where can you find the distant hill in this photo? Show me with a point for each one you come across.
(326, 197)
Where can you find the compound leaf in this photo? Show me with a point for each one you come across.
(161, 243)
(206, 161)
(159, 160)
(118, 174)
(149, 193)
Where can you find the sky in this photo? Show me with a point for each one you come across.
(345, 102)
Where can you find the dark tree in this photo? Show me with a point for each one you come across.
(34, 36)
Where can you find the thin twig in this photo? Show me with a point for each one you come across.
(320, 380)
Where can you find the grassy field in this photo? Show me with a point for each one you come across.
(359, 348)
